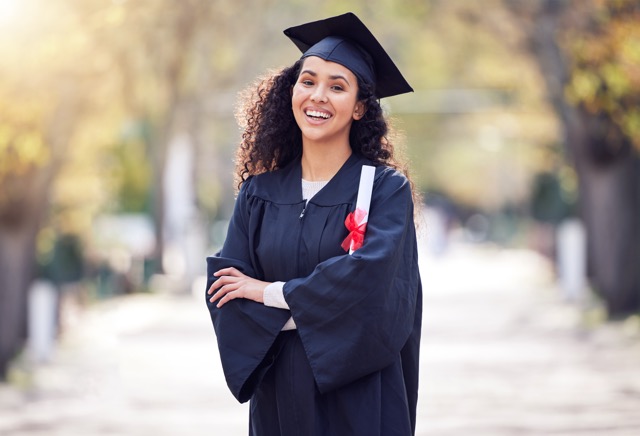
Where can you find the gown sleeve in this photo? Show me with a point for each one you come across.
(355, 313)
(245, 329)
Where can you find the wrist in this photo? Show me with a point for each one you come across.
(273, 295)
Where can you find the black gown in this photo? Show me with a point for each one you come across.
(351, 367)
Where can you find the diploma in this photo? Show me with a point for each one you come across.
(356, 222)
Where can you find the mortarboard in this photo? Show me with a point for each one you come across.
(345, 39)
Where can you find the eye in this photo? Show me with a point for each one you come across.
(306, 82)
(337, 88)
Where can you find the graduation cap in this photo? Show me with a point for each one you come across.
(345, 39)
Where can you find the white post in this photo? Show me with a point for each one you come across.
(42, 311)
(572, 259)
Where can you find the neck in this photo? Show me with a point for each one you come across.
(322, 163)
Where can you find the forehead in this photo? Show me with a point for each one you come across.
(322, 67)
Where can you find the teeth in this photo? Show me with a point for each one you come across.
(317, 114)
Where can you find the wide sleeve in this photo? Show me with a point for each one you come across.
(355, 313)
(245, 329)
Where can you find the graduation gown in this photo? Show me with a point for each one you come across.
(358, 316)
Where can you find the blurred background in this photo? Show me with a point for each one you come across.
(117, 141)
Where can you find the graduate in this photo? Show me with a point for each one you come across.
(317, 307)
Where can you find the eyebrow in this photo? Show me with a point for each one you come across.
(332, 77)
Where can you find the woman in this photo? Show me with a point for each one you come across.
(323, 342)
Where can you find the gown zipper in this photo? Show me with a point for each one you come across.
(301, 220)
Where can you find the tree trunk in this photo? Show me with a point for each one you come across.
(609, 184)
(17, 248)
(24, 205)
(611, 211)
(173, 77)
(20, 218)
(159, 146)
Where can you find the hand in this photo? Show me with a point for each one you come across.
(233, 284)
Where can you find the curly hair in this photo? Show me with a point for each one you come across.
(271, 137)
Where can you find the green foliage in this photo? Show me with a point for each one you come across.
(477, 127)
(605, 57)
(22, 145)
(132, 172)
(64, 262)
(180, 64)
(553, 196)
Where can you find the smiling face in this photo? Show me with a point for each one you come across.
(324, 102)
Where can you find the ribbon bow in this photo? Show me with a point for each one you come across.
(356, 225)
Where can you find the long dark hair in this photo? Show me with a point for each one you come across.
(271, 138)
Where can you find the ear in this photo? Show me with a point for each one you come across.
(359, 110)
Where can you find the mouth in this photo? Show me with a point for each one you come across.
(317, 115)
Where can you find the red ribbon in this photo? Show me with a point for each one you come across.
(356, 225)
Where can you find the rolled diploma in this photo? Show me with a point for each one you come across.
(364, 192)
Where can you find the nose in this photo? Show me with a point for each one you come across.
(319, 95)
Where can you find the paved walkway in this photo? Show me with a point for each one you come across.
(502, 355)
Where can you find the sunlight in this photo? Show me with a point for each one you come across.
(9, 11)
(18, 17)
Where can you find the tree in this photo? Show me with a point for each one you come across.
(589, 54)
(38, 119)
(64, 82)
(72, 74)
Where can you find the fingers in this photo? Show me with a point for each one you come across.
(231, 295)
(231, 271)
(224, 280)
(222, 285)
(241, 288)
(230, 292)
(224, 275)
(224, 292)
(232, 284)
(225, 286)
